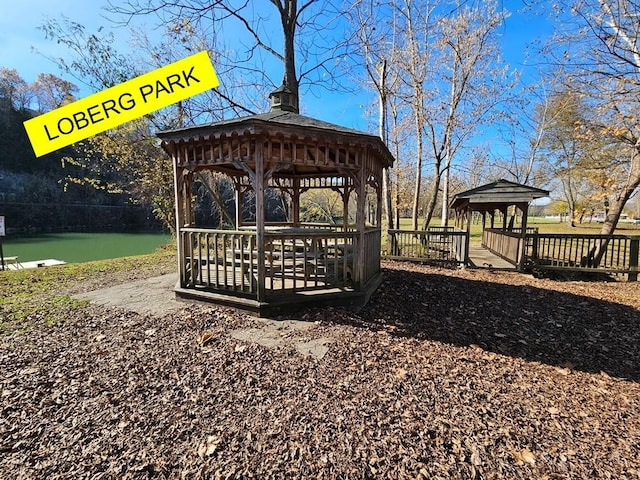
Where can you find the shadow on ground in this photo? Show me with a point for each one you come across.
(532, 323)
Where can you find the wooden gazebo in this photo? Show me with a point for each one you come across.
(505, 240)
(260, 266)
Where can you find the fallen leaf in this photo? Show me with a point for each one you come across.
(524, 456)
(205, 337)
(475, 458)
(208, 447)
(400, 373)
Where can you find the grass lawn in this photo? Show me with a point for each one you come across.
(44, 293)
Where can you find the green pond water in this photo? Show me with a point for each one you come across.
(82, 247)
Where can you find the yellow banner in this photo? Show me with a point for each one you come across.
(122, 103)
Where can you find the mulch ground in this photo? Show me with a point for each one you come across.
(444, 374)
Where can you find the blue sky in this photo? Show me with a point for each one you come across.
(20, 38)
(19, 35)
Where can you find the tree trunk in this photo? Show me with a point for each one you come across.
(447, 144)
(433, 198)
(288, 16)
(418, 182)
(444, 219)
(615, 210)
(386, 176)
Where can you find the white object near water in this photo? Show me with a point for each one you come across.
(12, 263)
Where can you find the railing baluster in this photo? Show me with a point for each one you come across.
(252, 248)
(216, 258)
(208, 260)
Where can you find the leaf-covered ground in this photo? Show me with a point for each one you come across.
(444, 374)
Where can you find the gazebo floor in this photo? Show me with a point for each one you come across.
(481, 257)
(280, 293)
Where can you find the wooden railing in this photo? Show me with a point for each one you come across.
(505, 244)
(372, 246)
(226, 261)
(218, 260)
(436, 245)
(618, 254)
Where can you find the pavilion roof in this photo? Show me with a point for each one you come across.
(499, 193)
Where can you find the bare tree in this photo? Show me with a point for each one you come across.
(602, 58)
(449, 64)
(411, 57)
(445, 56)
(377, 47)
(527, 120)
(306, 47)
(194, 25)
(471, 83)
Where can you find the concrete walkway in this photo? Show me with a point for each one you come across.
(150, 296)
(155, 296)
(482, 258)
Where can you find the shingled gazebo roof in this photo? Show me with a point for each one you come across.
(278, 122)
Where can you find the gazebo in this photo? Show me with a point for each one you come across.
(265, 266)
(507, 242)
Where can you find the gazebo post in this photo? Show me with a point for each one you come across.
(295, 202)
(178, 185)
(186, 193)
(345, 204)
(239, 195)
(379, 206)
(361, 218)
(524, 208)
(466, 245)
(259, 190)
(484, 222)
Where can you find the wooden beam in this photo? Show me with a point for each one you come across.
(259, 190)
(239, 194)
(524, 207)
(177, 196)
(295, 202)
(469, 213)
(360, 223)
